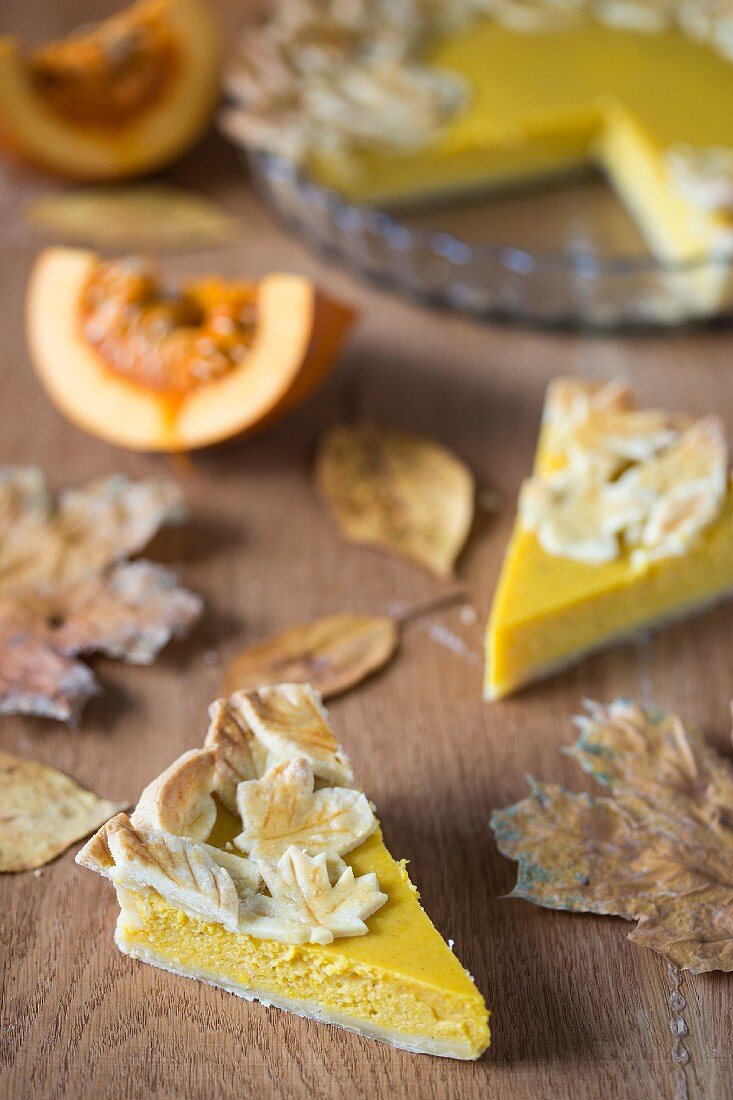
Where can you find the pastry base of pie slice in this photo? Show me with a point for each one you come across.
(400, 984)
(549, 611)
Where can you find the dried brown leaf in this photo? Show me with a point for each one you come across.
(658, 850)
(153, 215)
(399, 492)
(42, 812)
(333, 654)
(66, 588)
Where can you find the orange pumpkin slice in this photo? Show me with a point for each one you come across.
(117, 99)
(154, 371)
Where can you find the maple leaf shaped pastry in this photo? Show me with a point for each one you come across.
(657, 850)
(282, 808)
(290, 721)
(301, 892)
(67, 588)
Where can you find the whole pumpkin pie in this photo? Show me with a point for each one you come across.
(625, 523)
(254, 864)
(397, 103)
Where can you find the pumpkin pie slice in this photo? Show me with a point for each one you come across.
(625, 523)
(256, 865)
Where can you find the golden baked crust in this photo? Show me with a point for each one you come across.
(270, 756)
(619, 478)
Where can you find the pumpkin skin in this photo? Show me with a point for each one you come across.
(297, 336)
(151, 134)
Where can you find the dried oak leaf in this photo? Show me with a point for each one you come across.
(301, 893)
(283, 808)
(42, 812)
(152, 215)
(333, 654)
(66, 587)
(658, 850)
(399, 492)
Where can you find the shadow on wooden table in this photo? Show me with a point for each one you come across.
(530, 971)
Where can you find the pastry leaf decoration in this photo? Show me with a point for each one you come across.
(621, 479)
(42, 812)
(301, 892)
(66, 587)
(238, 754)
(397, 492)
(657, 850)
(333, 654)
(180, 870)
(283, 809)
(179, 800)
(289, 721)
(295, 887)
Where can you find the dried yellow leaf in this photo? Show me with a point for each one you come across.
(333, 654)
(42, 812)
(658, 850)
(398, 492)
(154, 215)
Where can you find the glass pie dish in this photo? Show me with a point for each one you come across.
(563, 253)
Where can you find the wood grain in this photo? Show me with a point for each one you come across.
(578, 1012)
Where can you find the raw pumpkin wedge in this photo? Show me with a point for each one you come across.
(155, 371)
(114, 100)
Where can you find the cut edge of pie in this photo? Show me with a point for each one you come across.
(223, 875)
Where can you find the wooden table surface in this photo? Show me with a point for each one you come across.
(577, 1011)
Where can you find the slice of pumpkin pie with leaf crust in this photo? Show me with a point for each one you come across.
(625, 523)
(256, 865)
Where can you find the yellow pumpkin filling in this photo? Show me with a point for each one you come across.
(110, 74)
(398, 980)
(168, 343)
(548, 610)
